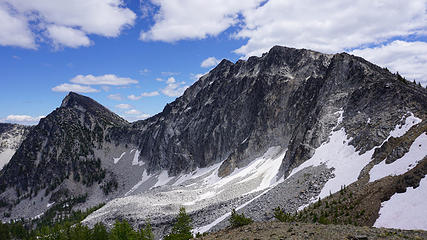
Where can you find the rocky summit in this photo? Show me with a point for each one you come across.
(282, 130)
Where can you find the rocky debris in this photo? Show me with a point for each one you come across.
(298, 190)
(277, 230)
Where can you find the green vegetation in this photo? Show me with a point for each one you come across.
(67, 231)
(182, 228)
(340, 208)
(238, 220)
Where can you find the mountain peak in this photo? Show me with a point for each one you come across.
(86, 104)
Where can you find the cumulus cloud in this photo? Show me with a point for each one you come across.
(209, 62)
(407, 58)
(133, 112)
(66, 87)
(123, 106)
(67, 22)
(14, 30)
(107, 79)
(133, 118)
(144, 94)
(194, 19)
(174, 88)
(330, 26)
(116, 97)
(22, 119)
(67, 36)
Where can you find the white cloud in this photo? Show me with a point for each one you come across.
(116, 97)
(173, 88)
(133, 112)
(107, 79)
(61, 18)
(144, 94)
(194, 19)
(150, 94)
(22, 119)
(328, 26)
(123, 106)
(14, 30)
(209, 62)
(136, 118)
(170, 80)
(66, 87)
(67, 36)
(134, 97)
(407, 58)
(170, 73)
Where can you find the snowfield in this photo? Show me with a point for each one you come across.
(348, 163)
(406, 210)
(416, 153)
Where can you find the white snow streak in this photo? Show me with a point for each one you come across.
(162, 179)
(406, 210)
(116, 160)
(144, 178)
(416, 153)
(135, 160)
(410, 121)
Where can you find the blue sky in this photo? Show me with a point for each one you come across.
(136, 56)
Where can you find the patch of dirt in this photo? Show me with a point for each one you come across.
(279, 230)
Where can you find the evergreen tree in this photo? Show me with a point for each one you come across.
(99, 232)
(182, 228)
(237, 220)
(146, 233)
(122, 231)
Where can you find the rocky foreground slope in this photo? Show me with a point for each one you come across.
(282, 129)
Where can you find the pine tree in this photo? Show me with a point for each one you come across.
(146, 233)
(237, 220)
(99, 232)
(122, 231)
(182, 228)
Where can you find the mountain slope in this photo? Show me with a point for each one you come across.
(11, 136)
(283, 128)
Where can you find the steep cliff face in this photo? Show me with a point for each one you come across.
(281, 106)
(11, 137)
(287, 97)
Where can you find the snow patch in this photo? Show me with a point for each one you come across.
(416, 153)
(144, 178)
(5, 156)
(410, 121)
(405, 210)
(116, 160)
(162, 179)
(341, 156)
(135, 160)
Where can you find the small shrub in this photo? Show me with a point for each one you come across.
(238, 220)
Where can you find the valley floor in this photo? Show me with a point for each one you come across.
(279, 230)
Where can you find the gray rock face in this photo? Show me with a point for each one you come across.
(233, 114)
(11, 137)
